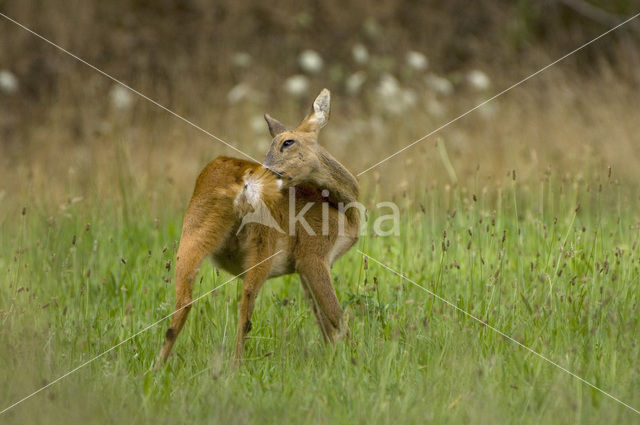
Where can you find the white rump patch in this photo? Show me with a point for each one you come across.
(251, 207)
(252, 190)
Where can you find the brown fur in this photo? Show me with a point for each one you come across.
(220, 200)
(305, 161)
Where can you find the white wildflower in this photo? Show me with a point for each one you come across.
(395, 99)
(388, 86)
(417, 61)
(408, 97)
(120, 97)
(435, 108)
(478, 80)
(355, 81)
(360, 54)
(297, 85)
(440, 85)
(310, 61)
(238, 93)
(8, 82)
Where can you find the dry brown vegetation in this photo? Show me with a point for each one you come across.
(62, 136)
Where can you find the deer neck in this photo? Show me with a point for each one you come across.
(333, 176)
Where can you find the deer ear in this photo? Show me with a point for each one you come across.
(319, 115)
(275, 126)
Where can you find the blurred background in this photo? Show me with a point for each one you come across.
(397, 70)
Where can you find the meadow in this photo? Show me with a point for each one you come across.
(552, 263)
(525, 214)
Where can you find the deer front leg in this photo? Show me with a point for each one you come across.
(314, 273)
(251, 285)
(323, 322)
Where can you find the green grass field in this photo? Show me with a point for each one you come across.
(552, 263)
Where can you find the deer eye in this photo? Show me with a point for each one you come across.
(286, 143)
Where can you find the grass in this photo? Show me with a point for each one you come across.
(552, 263)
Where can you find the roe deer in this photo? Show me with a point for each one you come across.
(230, 189)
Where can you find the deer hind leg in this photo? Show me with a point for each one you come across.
(315, 275)
(194, 246)
(253, 281)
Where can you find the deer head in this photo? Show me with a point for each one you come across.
(294, 153)
(298, 158)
